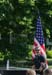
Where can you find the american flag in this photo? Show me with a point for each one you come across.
(39, 39)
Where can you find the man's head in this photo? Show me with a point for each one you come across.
(37, 49)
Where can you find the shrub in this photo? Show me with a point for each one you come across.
(1, 56)
(49, 53)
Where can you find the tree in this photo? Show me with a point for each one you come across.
(17, 25)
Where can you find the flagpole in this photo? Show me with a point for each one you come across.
(37, 9)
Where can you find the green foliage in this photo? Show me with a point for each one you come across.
(30, 54)
(1, 56)
(49, 53)
(18, 17)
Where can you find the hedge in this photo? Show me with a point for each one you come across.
(49, 53)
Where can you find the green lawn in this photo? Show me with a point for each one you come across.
(50, 66)
(49, 59)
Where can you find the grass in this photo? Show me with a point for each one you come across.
(49, 59)
(50, 66)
